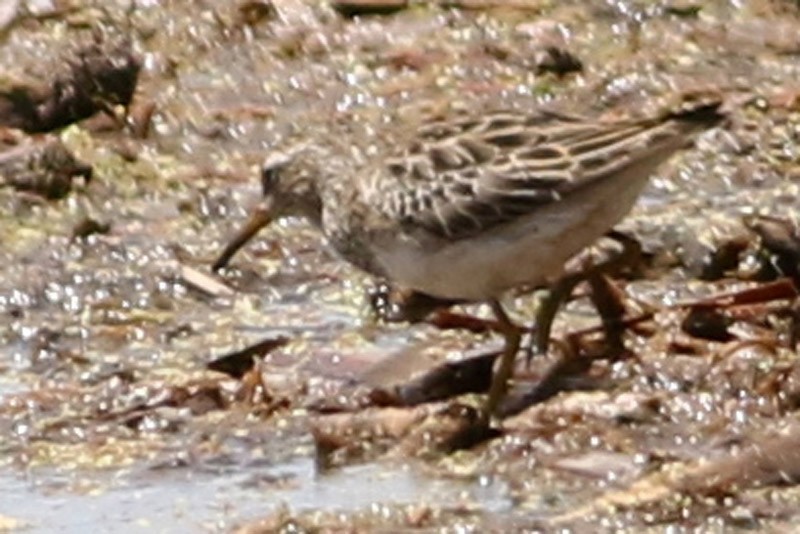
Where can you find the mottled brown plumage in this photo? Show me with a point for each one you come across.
(477, 205)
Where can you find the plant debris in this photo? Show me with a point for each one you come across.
(45, 167)
(93, 78)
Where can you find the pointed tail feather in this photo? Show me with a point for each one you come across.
(700, 111)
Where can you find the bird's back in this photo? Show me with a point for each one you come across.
(471, 193)
(465, 175)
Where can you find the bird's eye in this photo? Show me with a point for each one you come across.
(269, 178)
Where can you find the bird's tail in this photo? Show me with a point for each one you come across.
(699, 110)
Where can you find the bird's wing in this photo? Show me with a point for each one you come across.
(461, 177)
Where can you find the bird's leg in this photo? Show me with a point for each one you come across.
(546, 314)
(608, 301)
(512, 334)
(560, 292)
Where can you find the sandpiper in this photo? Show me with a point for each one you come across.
(477, 204)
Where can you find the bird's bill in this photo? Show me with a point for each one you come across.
(261, 217)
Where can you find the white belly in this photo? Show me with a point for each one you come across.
(530, 251)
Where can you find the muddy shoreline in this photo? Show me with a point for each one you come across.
(156, 117)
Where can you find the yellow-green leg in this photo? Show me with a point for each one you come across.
(546, 314)
(501, 378)
(559, 293)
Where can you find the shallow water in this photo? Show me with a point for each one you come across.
(102, 341)
(181, 500)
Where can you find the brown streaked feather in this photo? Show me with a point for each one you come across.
(463, 178)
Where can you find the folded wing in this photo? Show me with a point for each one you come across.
(462, 177)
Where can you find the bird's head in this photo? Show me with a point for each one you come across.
(289, 186)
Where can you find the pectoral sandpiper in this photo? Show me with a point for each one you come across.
(478, 204)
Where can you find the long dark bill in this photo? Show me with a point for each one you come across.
(260, 218)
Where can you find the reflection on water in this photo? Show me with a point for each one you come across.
(184, 500)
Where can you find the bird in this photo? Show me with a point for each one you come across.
(475, 204)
